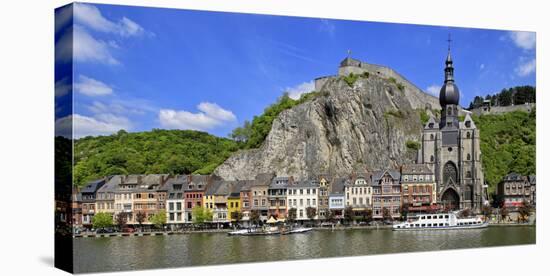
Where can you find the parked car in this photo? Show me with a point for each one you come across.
(128, 230)
(105, 231)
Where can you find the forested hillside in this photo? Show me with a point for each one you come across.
(156, 151)
(508, 144)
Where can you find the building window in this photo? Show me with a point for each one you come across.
(468, 157)
(468, 135)
(449, 173)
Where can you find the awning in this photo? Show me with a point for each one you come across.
(271, 220)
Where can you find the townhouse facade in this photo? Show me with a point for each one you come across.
(418, 188)
(359, 192)
(88, 200)
(245, 197)
(276, 194)
(325, 183)
(515, 189)
(413, 187)
(259, 191)
(337, 198)
(175, 202)
(301, 196)
(386, 193)
(194, 189)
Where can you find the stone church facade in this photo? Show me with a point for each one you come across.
(451, 150)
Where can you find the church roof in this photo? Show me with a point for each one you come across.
(468, 118)
(431, 124)
(449, 93)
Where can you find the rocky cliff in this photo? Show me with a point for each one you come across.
(348, 127)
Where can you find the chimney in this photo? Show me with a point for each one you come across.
(139, 179)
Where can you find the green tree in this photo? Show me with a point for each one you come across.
(331, 215)
(291, 215)
(140, 218)
(404, 210)
(121, 219)
(487, 211)
(102, 220)
(236, 216)
(159, 219)
(201, 215)
(525, 211)
(386, 215)
(348, 214)
(311, 213)
(504, 212)
(255, 217)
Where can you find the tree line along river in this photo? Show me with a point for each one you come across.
(148, 252)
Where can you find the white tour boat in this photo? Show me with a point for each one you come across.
(441, 222)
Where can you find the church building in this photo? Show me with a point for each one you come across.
(451, 150)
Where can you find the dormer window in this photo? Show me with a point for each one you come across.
(468, 124)
(431, 125)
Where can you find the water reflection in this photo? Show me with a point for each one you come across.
(126, 253)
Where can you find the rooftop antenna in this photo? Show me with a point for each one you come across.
(349, 53)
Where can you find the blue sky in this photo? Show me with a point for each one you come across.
(142, 68)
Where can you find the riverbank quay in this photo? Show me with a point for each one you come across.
(336, 228)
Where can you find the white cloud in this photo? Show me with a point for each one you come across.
(482, 66)
(87, 48)
(82, 126)
(211, 115)
(91, 17)
(213, 110)
(92, 87)
(524, 40)
(62, 87)
(327, 26)
(526, 67)
(114, 107)
(296, 91)
(434, 89)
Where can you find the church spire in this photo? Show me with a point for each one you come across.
(449, 70)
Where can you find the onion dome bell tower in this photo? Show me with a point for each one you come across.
(449, 96)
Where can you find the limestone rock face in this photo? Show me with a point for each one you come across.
(347, 128)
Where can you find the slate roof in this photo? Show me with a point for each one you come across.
(415, 169)
(280, 182)
(93, 186)
(198, 180)
(308, 183)
(377, 175)
(513, 177)
(338, 185)
(533, 180)
(111, 185)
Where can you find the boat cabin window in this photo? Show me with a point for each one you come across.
(423, 225)
(429, 217)
(441, 224)
(446, 224)
(429, 225)
(446, 216)
(440, 216)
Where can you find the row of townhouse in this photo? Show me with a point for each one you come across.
(265, 196)
(514, 190)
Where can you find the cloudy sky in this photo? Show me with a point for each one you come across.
(143, 68)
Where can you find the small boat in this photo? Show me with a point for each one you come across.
(298, 230)
(445, 221)
(255, 232)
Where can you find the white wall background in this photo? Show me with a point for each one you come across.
(26, 137)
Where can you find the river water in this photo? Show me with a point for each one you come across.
(127, 253)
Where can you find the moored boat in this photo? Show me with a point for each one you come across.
(298, 230)
(444, 221)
